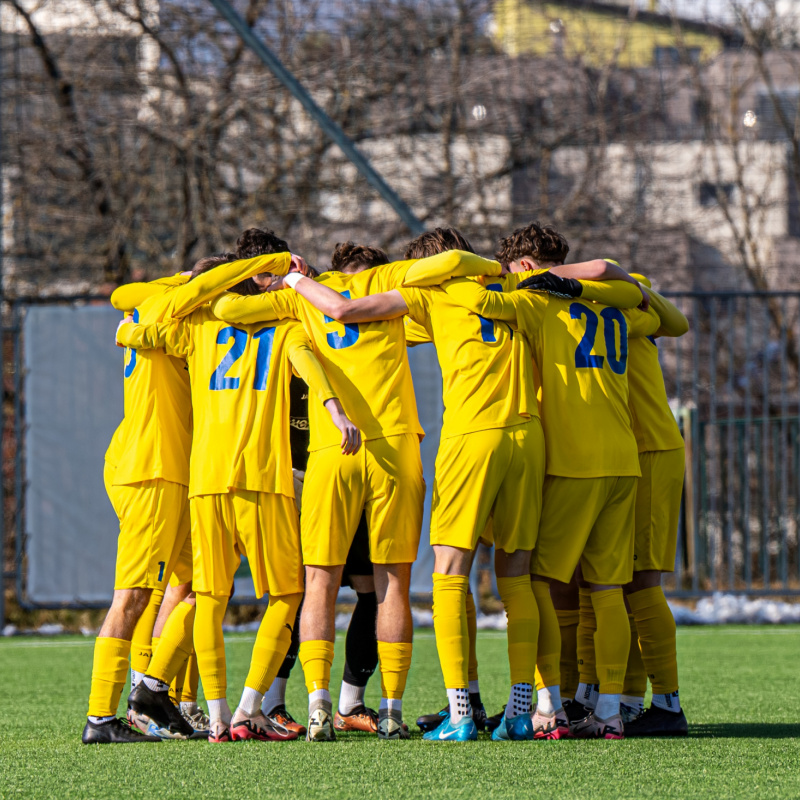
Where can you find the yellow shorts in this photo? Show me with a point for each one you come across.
(153, 531)
(487, 537)
(261, 526)
(384, 479)
(497, 473)
(184, 566)
(658, 509)
(588, 521)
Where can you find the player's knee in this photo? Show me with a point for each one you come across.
(647, 579)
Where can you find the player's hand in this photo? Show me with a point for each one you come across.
(299, 265)
(125, 321)
(552, 284)
(645, 304)
(351, 435)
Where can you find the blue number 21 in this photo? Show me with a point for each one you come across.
(611, 317)
(264, 337)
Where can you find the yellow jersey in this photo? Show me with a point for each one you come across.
(582, 352)
(239, 395)
(654, 423)
(155, 436)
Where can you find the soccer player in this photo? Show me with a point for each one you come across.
(146, 475)
(491, 458)
(592, 466)
(658, 503)
(241, 489)
(368, 366)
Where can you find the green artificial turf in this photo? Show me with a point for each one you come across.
(738, 685)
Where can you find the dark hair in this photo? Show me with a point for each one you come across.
(355, 257)
(542, 243)
(256, 242)
(209, 262)
(439, 240)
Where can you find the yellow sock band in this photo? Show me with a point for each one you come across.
(472, 631)
(612, 641)
(109, 673)
(584, 638)
(316, 657)
(176, 687)
(522, 614)
(635, 676)
(209, 644)
(191, 682)
(175, 643)
(272, 641)
(395, 661)
(656, 627)
(548, 651)
(568, 619)
(141, 641)
(450, 627)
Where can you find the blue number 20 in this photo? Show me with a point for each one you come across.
(611, 317)
(351, 332)
(265, 337)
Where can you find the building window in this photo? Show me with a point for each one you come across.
(708, 193)
(674, 56)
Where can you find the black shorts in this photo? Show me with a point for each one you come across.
(358, 561)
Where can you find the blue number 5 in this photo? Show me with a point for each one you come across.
(131, 365)
(218, 379)
(351, 332)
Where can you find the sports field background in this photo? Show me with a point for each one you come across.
(737, 686)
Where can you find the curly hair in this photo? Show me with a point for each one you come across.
(352, 257)
(209, 262)
(439, 240)
(542, 243)
(257, 242)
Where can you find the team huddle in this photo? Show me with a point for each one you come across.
(558, 448)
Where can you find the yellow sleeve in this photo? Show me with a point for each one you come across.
(619, 294)
(246, 309)
(434, 270)
(673, 322)
(642, 323)
(474, 297)
(143, 337)
(418, 317)
(298, 348)
(132, 295)
(415, 333)
(207, 286)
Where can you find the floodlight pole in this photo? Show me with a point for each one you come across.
(331, 128)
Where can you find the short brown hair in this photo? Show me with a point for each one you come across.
(209, 262)
(355, 257)
(542, 243)
(439, 240)
(257, 242)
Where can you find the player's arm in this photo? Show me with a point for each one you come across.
(245, 309)
(435, 270)
(385, 305)
(673, 322)
(474, 297)
(208, 285)
(305, 363)
(642, 323)
(131, 295)
(415, 333)
(171, 336)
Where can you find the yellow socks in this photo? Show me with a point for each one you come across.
(612, 640)
(584, 639)
(316, 658)
(109, 672)
(272, 642)
(548, 651)
(141, 646)
(395, 662)
(209, 644)
(472, 631)
(450, 627)
(523, 627)
(568, 619)
(656, 627)
(175, 643)
(188, 693)
(635, 676)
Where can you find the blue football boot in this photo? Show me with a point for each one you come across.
(514, 729)
(462, 731)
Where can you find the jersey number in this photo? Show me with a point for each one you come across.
(351, 332)
(611, 317)
(487, 325)
(131, 365)
(264, 337)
